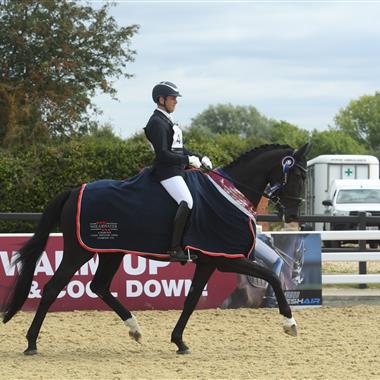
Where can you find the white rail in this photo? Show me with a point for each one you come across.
(350, 235)
(350, 256)
(350, 279)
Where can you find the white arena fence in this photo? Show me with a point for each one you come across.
(359, 256)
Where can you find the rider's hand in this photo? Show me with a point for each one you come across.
(206, 162)
(194, 162)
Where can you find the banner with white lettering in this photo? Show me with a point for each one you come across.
(142, 284)
(139, 283)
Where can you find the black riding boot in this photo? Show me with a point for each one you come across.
(176, 251)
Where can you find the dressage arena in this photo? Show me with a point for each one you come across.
(332, 343)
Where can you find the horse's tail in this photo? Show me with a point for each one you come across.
(29, 255)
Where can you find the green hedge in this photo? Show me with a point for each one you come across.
(29, 179)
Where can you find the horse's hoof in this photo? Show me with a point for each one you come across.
(290, 326)
(134, 329)
(291, 330)
(30, 351)
(182, 347)
(184, 352)
(135, 335)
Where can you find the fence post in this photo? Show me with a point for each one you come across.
(362, 247)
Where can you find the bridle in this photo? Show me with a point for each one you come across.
(272, 192)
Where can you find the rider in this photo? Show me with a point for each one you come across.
(171, 160)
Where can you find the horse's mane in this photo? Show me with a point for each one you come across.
(255, 152)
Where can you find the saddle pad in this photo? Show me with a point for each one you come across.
(137, 215)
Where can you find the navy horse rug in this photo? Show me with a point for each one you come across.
(136, 216)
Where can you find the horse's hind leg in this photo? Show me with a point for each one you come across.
(100, 285)
(69, 265)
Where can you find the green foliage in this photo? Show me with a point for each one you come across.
(361, 120)
(283, 132)
(220, 148)
(334, 142)
(244, 121)
(55, 55)
(30, 179)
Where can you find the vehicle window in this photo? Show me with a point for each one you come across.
(358, 196)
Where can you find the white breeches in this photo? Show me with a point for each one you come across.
(178, 190)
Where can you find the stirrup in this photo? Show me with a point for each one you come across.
(180, 256)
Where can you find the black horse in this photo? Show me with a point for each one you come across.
(279, 168)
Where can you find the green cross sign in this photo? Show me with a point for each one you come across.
(348, 172)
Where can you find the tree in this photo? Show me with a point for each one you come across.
(221, 148)
(334, 142)
(241, 120)
(55, 55)
(361, 120)
(283, 132)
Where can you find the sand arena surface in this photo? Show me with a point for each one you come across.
(332, 343)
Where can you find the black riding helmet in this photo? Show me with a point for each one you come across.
(164, 89)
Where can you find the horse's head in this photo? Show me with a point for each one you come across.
(279, 167)
(286, 183)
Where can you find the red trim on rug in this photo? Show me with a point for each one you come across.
(254, 237)
(86, 247)
(79, 202)
(217, 254)
(229, 255)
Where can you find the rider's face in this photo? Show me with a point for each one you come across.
(169, 103)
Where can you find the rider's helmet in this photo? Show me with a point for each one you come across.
(164, 89)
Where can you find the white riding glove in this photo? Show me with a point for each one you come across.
(194, 162)
(206, 162)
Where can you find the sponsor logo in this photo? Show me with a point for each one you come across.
(104, 230)
(295, 298)
(304, 301)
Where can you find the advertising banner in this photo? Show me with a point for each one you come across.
(296, 259)
(142, 284)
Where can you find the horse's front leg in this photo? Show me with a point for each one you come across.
(202, 274)
(251, 268)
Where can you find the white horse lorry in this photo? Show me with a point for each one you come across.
(332, 178)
